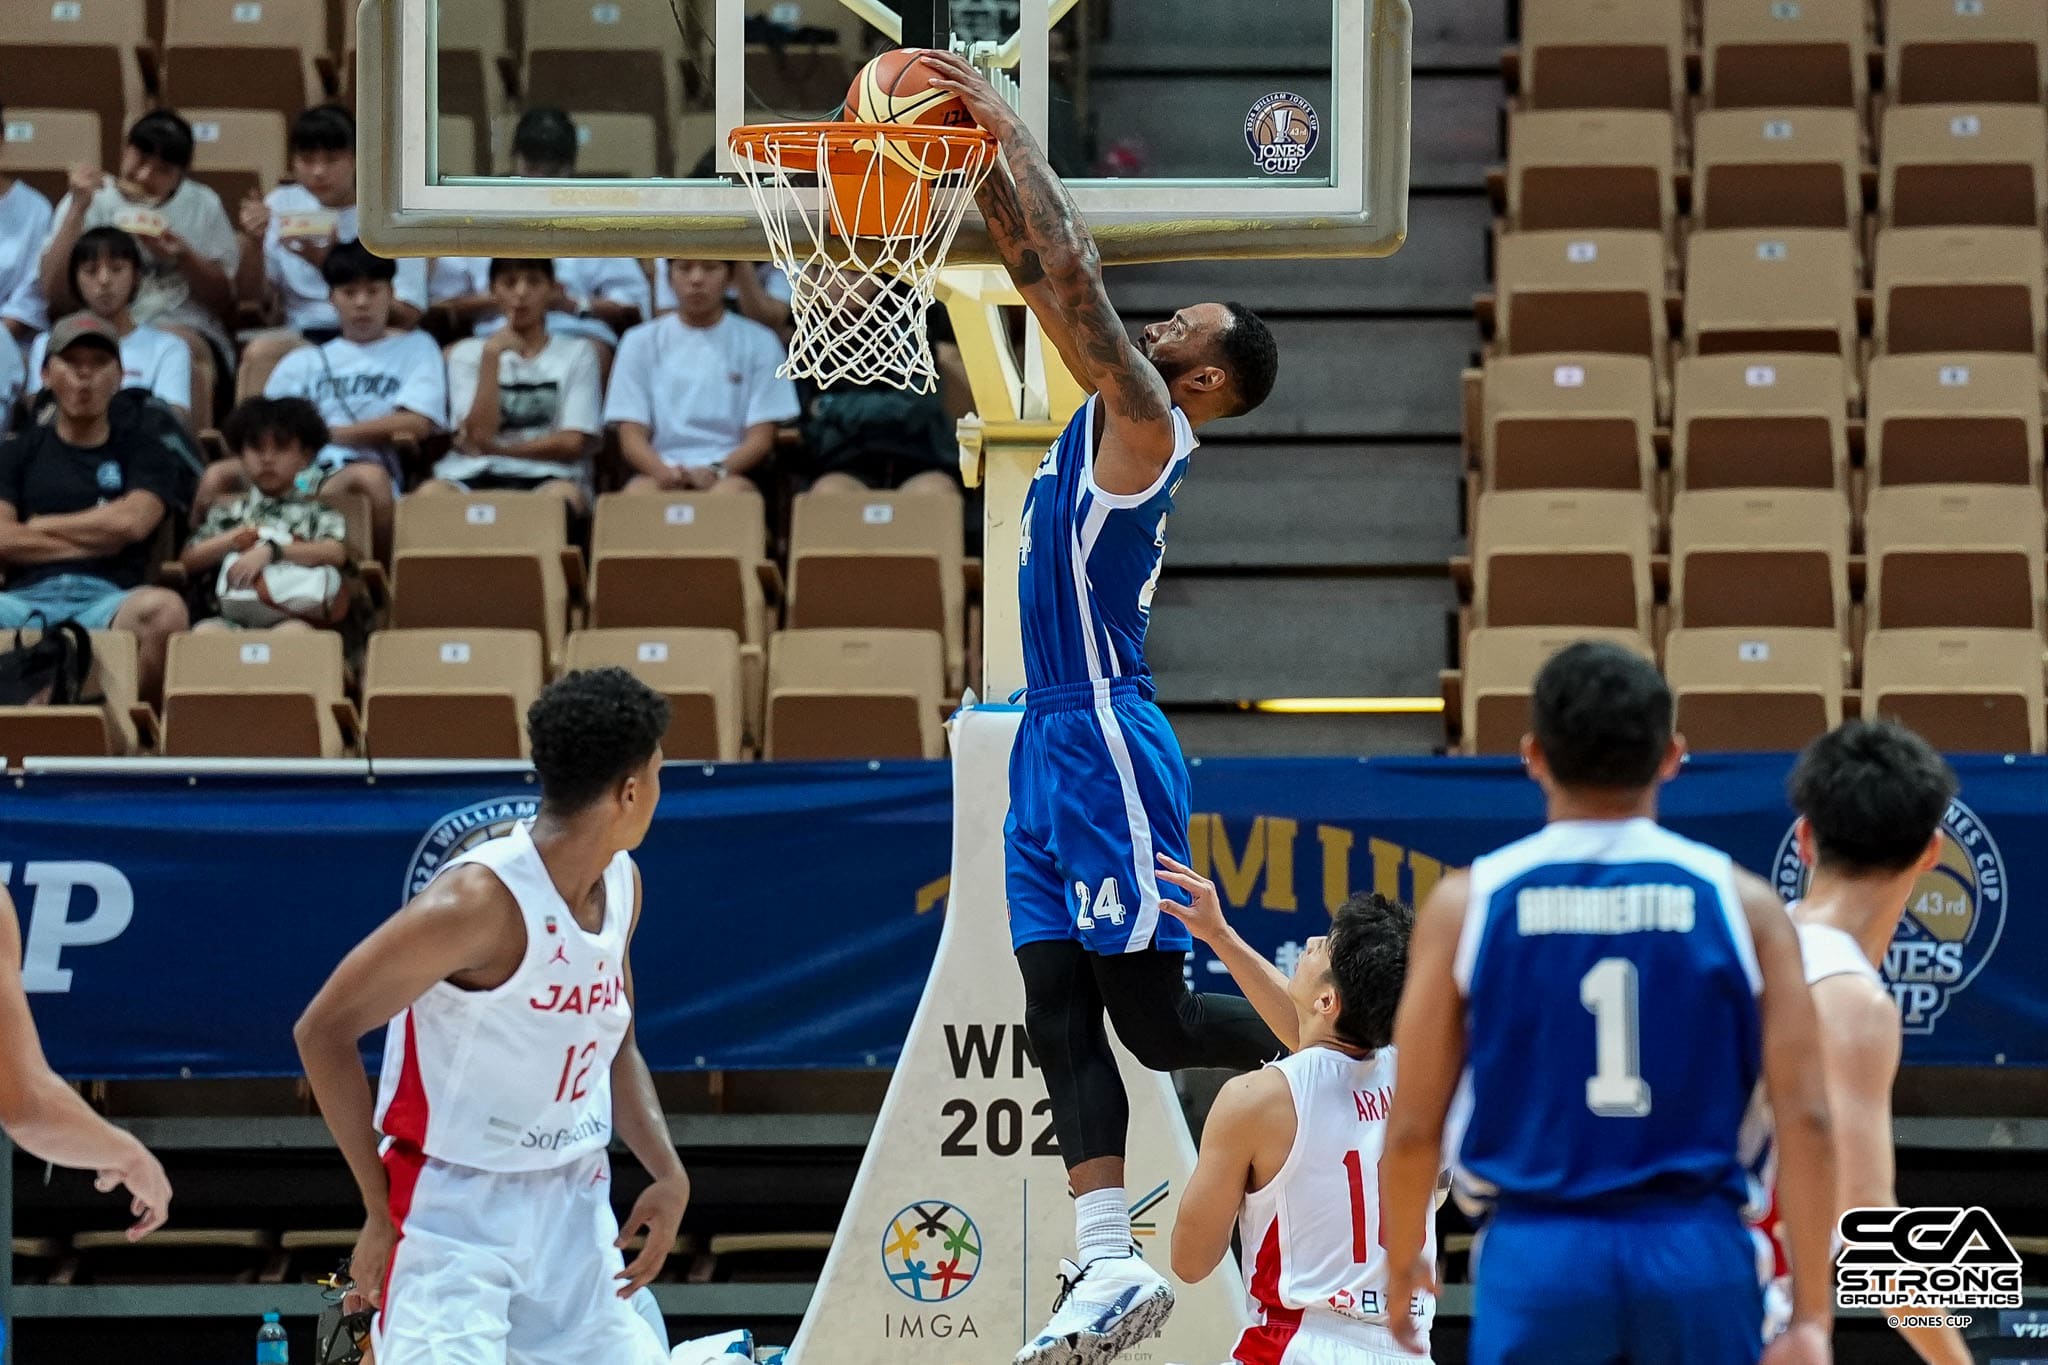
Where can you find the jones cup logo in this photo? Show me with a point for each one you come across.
(1952, 922)
(1282, 130)
(459, 831)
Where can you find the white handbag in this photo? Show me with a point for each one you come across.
(283, 592)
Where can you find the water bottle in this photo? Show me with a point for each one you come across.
(272, 1346)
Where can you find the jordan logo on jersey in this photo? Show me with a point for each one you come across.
(1103, 905)
(561, 955)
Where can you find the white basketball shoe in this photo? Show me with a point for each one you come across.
(1104, 1308)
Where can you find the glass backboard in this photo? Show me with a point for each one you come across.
(1231, 128)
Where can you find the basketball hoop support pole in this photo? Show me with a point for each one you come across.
(927, 23)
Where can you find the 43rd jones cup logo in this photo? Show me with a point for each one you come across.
(1952, 922)
(931, 1251)
(1282, 129)
(459, 831)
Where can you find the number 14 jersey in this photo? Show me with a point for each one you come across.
(517, 1078)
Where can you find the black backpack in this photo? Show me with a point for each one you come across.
(50, 672)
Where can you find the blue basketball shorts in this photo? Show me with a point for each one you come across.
(1098, 787)
(1670, 1284)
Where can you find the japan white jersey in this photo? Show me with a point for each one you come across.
(517, 1078)
(1312, 1237)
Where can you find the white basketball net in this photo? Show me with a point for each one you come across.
(858, 301)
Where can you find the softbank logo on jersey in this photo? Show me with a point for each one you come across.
(1952, 923)
(459, 831)
(49, 890)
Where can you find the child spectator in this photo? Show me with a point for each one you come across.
(105, 273)
(525, 403)
(187, 284)
(373, 384)
(24, 222)
(287, 236)
(593, 297)
(274, 525)
(695, 395)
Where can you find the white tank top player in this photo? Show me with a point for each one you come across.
(517, 1078)
(1312, 1253)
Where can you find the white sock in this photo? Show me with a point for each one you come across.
(1102, 1224)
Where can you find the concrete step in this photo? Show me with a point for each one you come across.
(1351, 378)
(1318, 506)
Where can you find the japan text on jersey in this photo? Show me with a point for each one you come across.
(1089, 560)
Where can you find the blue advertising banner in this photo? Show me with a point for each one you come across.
(175, 924)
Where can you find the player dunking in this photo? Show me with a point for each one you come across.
(510, 1059)
(1611, 994)
(1097, 783)
(1870, 797)
(1290, 1154)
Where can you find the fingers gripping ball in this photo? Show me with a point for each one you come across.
(896, 88)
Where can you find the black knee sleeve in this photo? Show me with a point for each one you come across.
(1063, 1020)
(1167, 1027)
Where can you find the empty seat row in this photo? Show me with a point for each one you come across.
(1774, 689)
(1936, 556)
(1772, 421)
(1938, 166)
(1631, 54)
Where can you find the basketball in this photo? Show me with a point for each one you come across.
(896, 88)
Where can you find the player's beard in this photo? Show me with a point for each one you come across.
(1169, 370)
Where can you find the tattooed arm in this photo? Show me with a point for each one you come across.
(1053, 261)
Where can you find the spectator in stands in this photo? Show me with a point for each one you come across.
(598, 298)
(12, 380)
(862, 436)
(187, 284)
(759, 291)
(275, 522)
(375, 384)
(526, 404)
(695, 396)
(24, 222)
(81, 501)
(105, 274)
(286, 239)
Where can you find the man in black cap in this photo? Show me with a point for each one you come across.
(82, 496)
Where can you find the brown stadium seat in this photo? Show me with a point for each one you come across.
(174, 1254)
(855, 694)
(1579, 422)
(1952, 556)
(254, 694)
(1761, 54)
(450, 693)
(1760, 557)
(681, 559)
(1966, 691)
(1600, 292)
(244, 54)
(1977, 165)
(1777, 168)
(1969, 418)
(1562, 558)
(1766, 421)
(77, 55)
(459, 151)
(1586, 169)
(1959, 289)
(620, 146)
(235, 151)
(473, 40)
(1966, 51)
(40, 146)
(482, 559)
(1501, 663)
(90, 730)
(884, 560)
(606, 59)
(1772, 289)
(697, 670)
(1604, 54)
(1754, 689)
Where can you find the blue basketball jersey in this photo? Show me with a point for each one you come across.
(1613, 1035)
(1089, 560)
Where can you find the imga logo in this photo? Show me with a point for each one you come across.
(1952, 923)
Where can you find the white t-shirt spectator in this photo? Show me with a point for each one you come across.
(351, 383)
(774, 284)
(24, 227)
(698, 389)
(150, 359)
(614, 279)
(298, 280)
(555, 391)
(165, 299)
